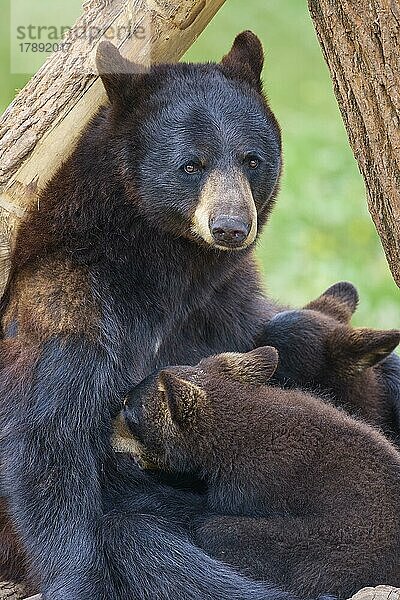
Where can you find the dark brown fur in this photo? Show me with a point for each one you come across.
(319, 349)
(298, 491)
(12, 559)
(51, 298)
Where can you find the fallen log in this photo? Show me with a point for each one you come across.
(381, 592)
(13, 591)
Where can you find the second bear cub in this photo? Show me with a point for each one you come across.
(298, 492)
(320, 350)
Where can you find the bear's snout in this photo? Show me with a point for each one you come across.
(229, 231)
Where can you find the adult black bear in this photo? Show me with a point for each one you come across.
(138, 255)
(297, 490)
(320, 350)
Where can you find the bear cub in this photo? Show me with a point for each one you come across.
(321, 351)
(299, 492)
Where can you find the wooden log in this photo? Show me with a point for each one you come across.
(381, 592)
(361, 44)
(40, 128)
(12, 591)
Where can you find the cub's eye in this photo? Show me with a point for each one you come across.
(191, 168)
(253, 162)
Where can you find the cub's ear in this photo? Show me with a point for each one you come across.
(120, 77)
(255, 367)
(339, 301)
(184, 399)
(245, 59)
(354, 350)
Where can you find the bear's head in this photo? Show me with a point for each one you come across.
(196, 145)
(317, 344)
(189, 419)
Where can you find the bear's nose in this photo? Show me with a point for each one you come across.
(229, 231)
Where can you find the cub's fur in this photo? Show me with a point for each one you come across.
(319, 349)
(298, 491)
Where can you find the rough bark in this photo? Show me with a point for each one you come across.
(40, 128)
(361, 44)
(382, 592)
(12, 591)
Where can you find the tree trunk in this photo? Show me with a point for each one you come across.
(41, 127)
(361, 44)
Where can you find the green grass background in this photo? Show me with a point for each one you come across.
(320, 231)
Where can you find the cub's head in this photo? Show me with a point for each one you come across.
(193, 419)
(317, 344)
(197, 147)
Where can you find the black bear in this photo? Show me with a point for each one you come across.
(137, 255)
(320, 350)
(298, 491)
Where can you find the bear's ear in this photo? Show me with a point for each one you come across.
(183, 398)
(255, 367)
(120, 77)
(245, 59)
(339, 301)
(354, 350)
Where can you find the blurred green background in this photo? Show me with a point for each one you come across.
(320, 231)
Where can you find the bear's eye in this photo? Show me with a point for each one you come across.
(253, 162)
(191, 167)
